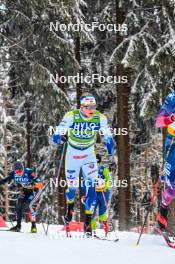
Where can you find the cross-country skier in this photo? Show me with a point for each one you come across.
(166, 118)
(29, 186)
(103, 186)
(82, 126)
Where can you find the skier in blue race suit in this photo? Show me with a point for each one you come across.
(166, 118)
(29, 186)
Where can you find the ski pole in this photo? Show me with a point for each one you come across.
(108, 205)
(150, 204)
(58, 175)
(154, 192)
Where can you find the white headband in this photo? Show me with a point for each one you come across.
(88, 100)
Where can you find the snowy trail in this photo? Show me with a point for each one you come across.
(37, 248)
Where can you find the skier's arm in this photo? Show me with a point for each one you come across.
(166, 114)
(63, 127)
(107, 134)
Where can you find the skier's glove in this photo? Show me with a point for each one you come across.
(56, 139)
(173, 117)
(112, 164)
(113, 167)
(39, 185)
(162, 178)
(111, 158)
(64, 138)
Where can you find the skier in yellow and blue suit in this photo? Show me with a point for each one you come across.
(103, 189)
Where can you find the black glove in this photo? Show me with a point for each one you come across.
(112, 166)
(64, 138)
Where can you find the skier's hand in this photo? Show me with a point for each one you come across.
(64, 138)
(173, 117)
(111, 158)
(112, 165)
(56, 139)
(39, 185)
(162, 178)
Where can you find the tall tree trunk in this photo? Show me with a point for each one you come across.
(78, 93)
(61, 84)
(123, 93)
(164, 134)
(164, 130)
(61, 201)
(78, 58)
(6, 200)
(61, 190)
(28, 136)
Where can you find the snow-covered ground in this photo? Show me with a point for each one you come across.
(56, 248)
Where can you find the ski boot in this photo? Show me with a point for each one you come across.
(87, 225)
(68, 218)
(16, 228)
(33, 228)
(162, 217)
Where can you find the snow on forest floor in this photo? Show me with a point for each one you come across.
(56, 248)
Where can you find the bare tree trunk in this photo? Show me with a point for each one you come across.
(28, 136)
(5, 161)
(82, 207)
(78, 58)
(61, 192)
(79, 92)
(123, 93)
(61, 84)
(164, 130)
(164, 134)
